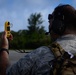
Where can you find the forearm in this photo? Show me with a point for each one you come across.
(4, 62)
(4, 54)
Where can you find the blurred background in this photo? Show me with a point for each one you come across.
(29, 20)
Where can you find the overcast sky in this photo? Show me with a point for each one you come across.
(18, 11)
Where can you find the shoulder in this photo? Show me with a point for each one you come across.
(42, 54)
(42, 50)
(39, 51)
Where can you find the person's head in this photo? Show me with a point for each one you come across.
(62, 21)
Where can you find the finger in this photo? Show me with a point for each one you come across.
(11, 37)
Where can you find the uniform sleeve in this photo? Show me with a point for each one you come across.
(32, 62)
(22, 67)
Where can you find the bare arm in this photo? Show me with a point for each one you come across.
(4, 62)
(4, 58)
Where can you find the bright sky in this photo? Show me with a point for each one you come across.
(18, 11)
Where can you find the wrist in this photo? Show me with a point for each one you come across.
(4, 49)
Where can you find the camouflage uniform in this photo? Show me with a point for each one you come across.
(38, 62)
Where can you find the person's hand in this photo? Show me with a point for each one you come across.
(4, 40)
(4, 62)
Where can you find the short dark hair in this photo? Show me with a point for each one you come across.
(69, 13)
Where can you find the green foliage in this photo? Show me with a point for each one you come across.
(31, 38)
(35, 21)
